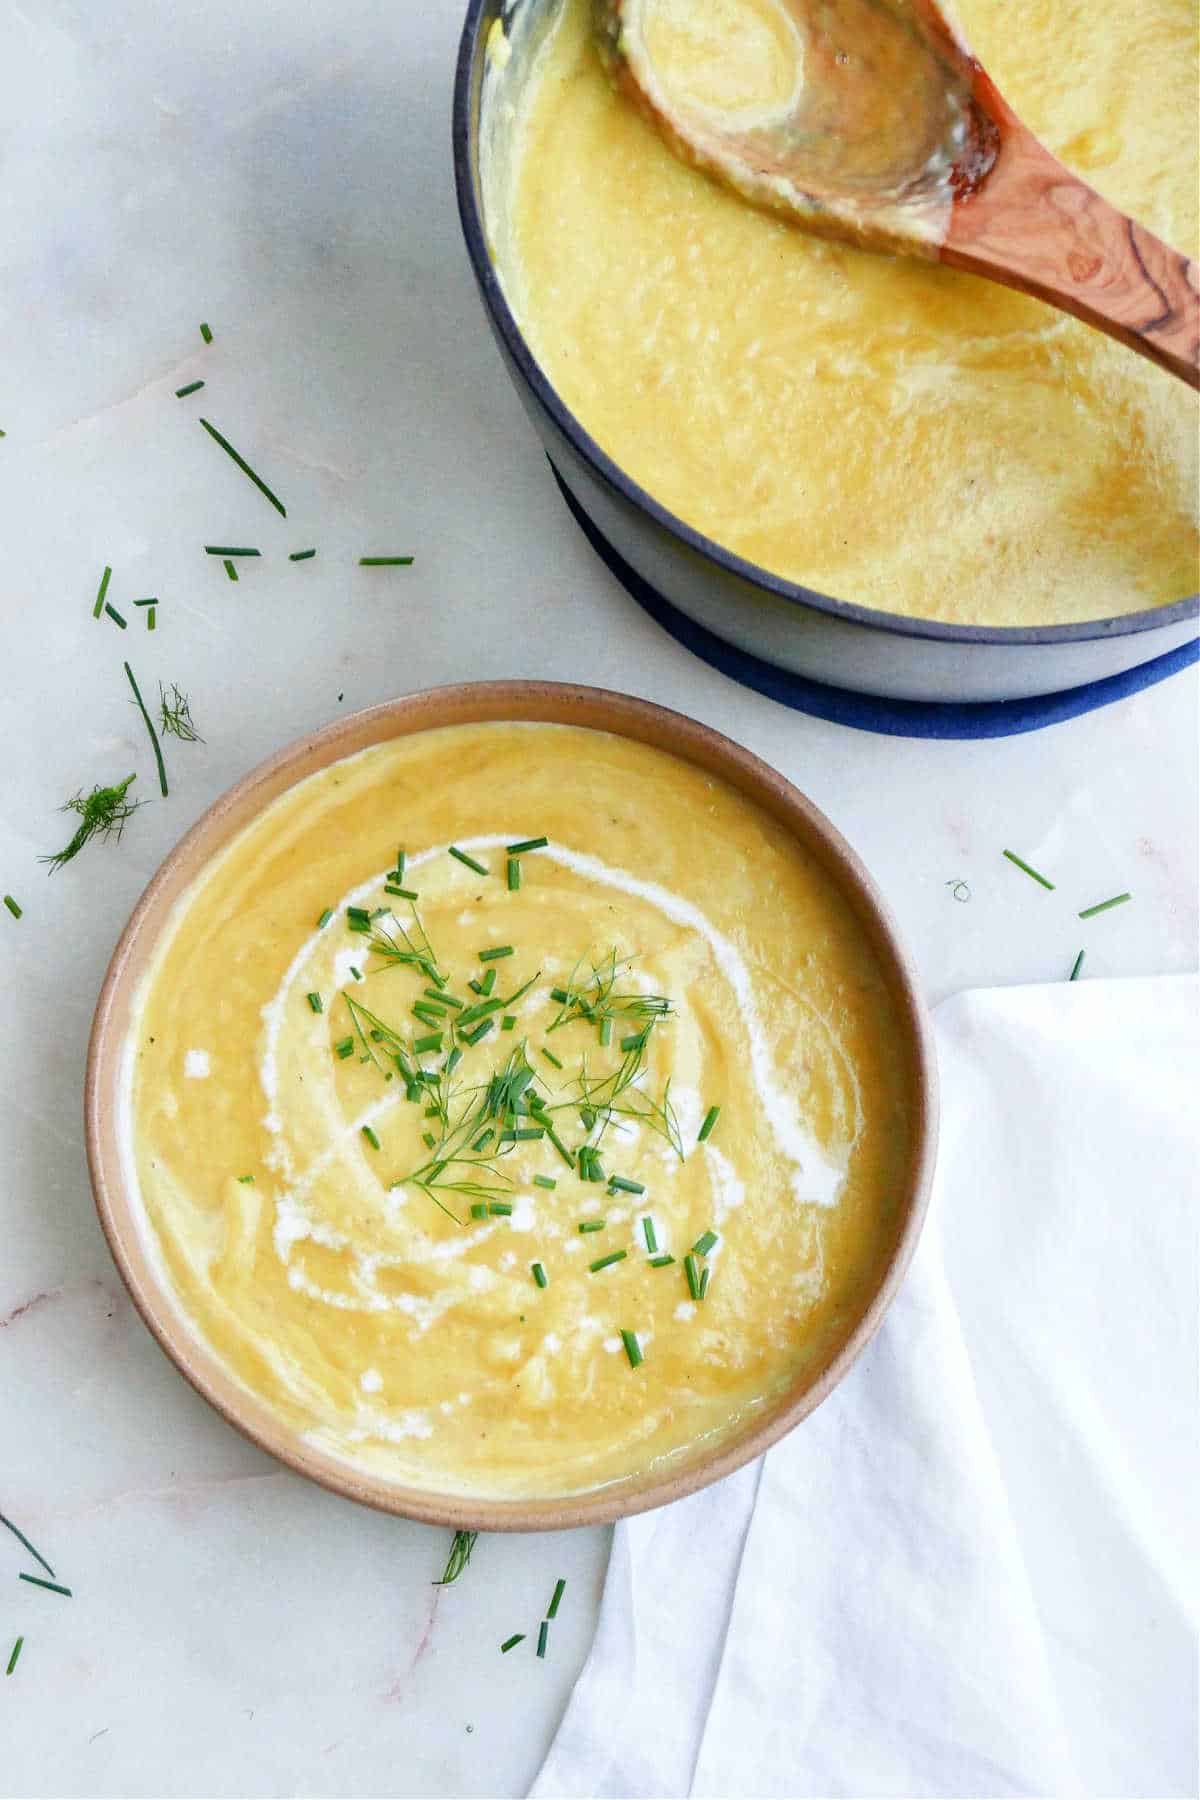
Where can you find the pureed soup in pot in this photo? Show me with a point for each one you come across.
(515, 1172)
(884, 430)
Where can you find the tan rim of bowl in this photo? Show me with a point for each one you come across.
(556, 703)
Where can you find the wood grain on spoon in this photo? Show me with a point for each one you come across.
(891, 135)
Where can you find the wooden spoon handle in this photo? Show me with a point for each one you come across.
(1034, 226)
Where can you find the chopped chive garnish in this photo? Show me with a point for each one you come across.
(152, 618)
(324, 919)
(539, 1274)
(453, 1060)
(102, 593)
(543, 1635)
(692, 1270)
(371, 1137)
(508, 1022)
(229, 550)
(344, 1048)
(560, 1147)
(650, 1236)
(486, 956)
(626, 1187)
(115, 616)
(710, 1119)
(1089, 912)
(513, 874)
(1075, 967)
(444, 999)
(246, 1180)
(54, 1587)
(518, 1637)
(560, 1588)
(193, 387)
(483, 1140)
(605, 1031)
(150, 600)
(561, 995)
(468, 861)
(231, 569)
(480, 1031)
(431, 1041)
(15, 1657)
(400, 893)
(586, 1225)
(526, 845)
(22, 1539)
(704, 1243)
(244, 466)
(428, 1015)
(357, 973)
(704, 1275)
(300, 555)
(317, 1004)
(12, 906)
(633, 1349)
(206, 332)
(606, 1262)
(500, 1209)
(158, 757)
(489, 982)
(544, 1181)
(428, 1139)
(479, 1209)
(1025, 868)
(527, 1134)
(634, 1041)
(660, 1262)
(550, 1057)
(384, 562)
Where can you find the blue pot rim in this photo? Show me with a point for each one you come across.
(471, 47)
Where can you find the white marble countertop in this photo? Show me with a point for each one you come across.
(284, 173)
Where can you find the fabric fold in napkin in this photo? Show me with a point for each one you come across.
(973, 1570)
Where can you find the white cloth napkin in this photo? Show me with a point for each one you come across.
(972, 1571)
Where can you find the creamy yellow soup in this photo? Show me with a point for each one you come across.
(328, 1178)
(887, 431)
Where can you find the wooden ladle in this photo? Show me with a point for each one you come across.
(872, 121)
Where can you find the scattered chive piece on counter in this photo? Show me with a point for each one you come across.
(704, 1275)
(453, 1060)
(22, 1539)
(691, 1270)
(15, 1658)
(513, 874)
(543, 1635)
(317, 1004)
(479, 1209)
(560, 1588)
(150, 600)
(152, 618)
(324, 919)
(586, 1225)
(661, 1262)
(244, 466)
(486, 956)
(12, 906)
(193, 387)
(518, 1637)
(527, 844)
(606, 1262)
(710, 1119)
(400, 892)
(115, 616)
(649, 1235)
(508, 1022)
(468, 861)
(481, 1030)
(1025, 868)
(626, 1187)
(431, 1041)
(53, 1587)
(539, 1274)
(246, 1180)
(300, 555)
(488, 983)
(344, 1048)
(1089, 912)
(230, 550)
(704, 1243)
(606, 1031)
(1075, 967)
(371, 1137)
(633, 1349)
(103, 813)
(550, 1057)
(444, 999)
(206, 331)
(384, 562)
(102, 593)
(231, 569)
(460, 1556)
(544, 1181)
(500, 1209)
